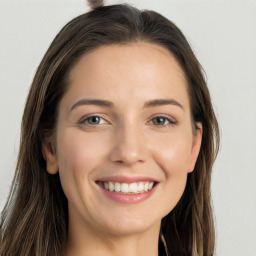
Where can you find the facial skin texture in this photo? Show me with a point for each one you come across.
(127, 141)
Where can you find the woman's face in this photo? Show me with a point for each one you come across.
(124, 124)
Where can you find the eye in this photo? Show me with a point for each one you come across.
(163, 121)
(93, 120)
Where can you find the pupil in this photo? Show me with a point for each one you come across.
(94, 120)
(159, 120)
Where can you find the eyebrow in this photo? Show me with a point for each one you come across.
(105, 103)
(162, 102)
(96, 102)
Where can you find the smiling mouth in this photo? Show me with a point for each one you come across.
(127, 188)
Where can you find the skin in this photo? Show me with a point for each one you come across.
(127, 141)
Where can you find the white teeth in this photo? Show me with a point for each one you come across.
(140, 187)
(150, 186)
(117, 187)
(135, 187)
(124, 188)
(111, 186)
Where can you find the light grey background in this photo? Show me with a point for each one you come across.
(223, 36)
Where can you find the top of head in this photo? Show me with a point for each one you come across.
(95, 3)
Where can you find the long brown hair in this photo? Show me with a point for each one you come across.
(35, 218)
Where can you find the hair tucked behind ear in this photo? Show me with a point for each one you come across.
(35, 218)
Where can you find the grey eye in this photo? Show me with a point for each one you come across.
(93, 120)
(159, 120)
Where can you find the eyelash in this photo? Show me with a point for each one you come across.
(171, 121)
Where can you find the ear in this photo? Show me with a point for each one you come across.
(49, 153)
(196, 145)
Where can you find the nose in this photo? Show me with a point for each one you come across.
(129, 146)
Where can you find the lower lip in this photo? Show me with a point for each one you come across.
(128, 198)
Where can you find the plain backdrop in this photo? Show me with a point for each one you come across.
(223, 36)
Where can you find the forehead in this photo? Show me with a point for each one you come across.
(141, 71)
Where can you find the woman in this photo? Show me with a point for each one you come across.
(117, 146)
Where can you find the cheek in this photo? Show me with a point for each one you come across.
(78, 156)
(78, 152)
(173, 155)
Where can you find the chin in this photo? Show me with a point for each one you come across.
(129, 228)
(130, 224)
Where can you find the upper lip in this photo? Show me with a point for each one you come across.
(126, 179)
